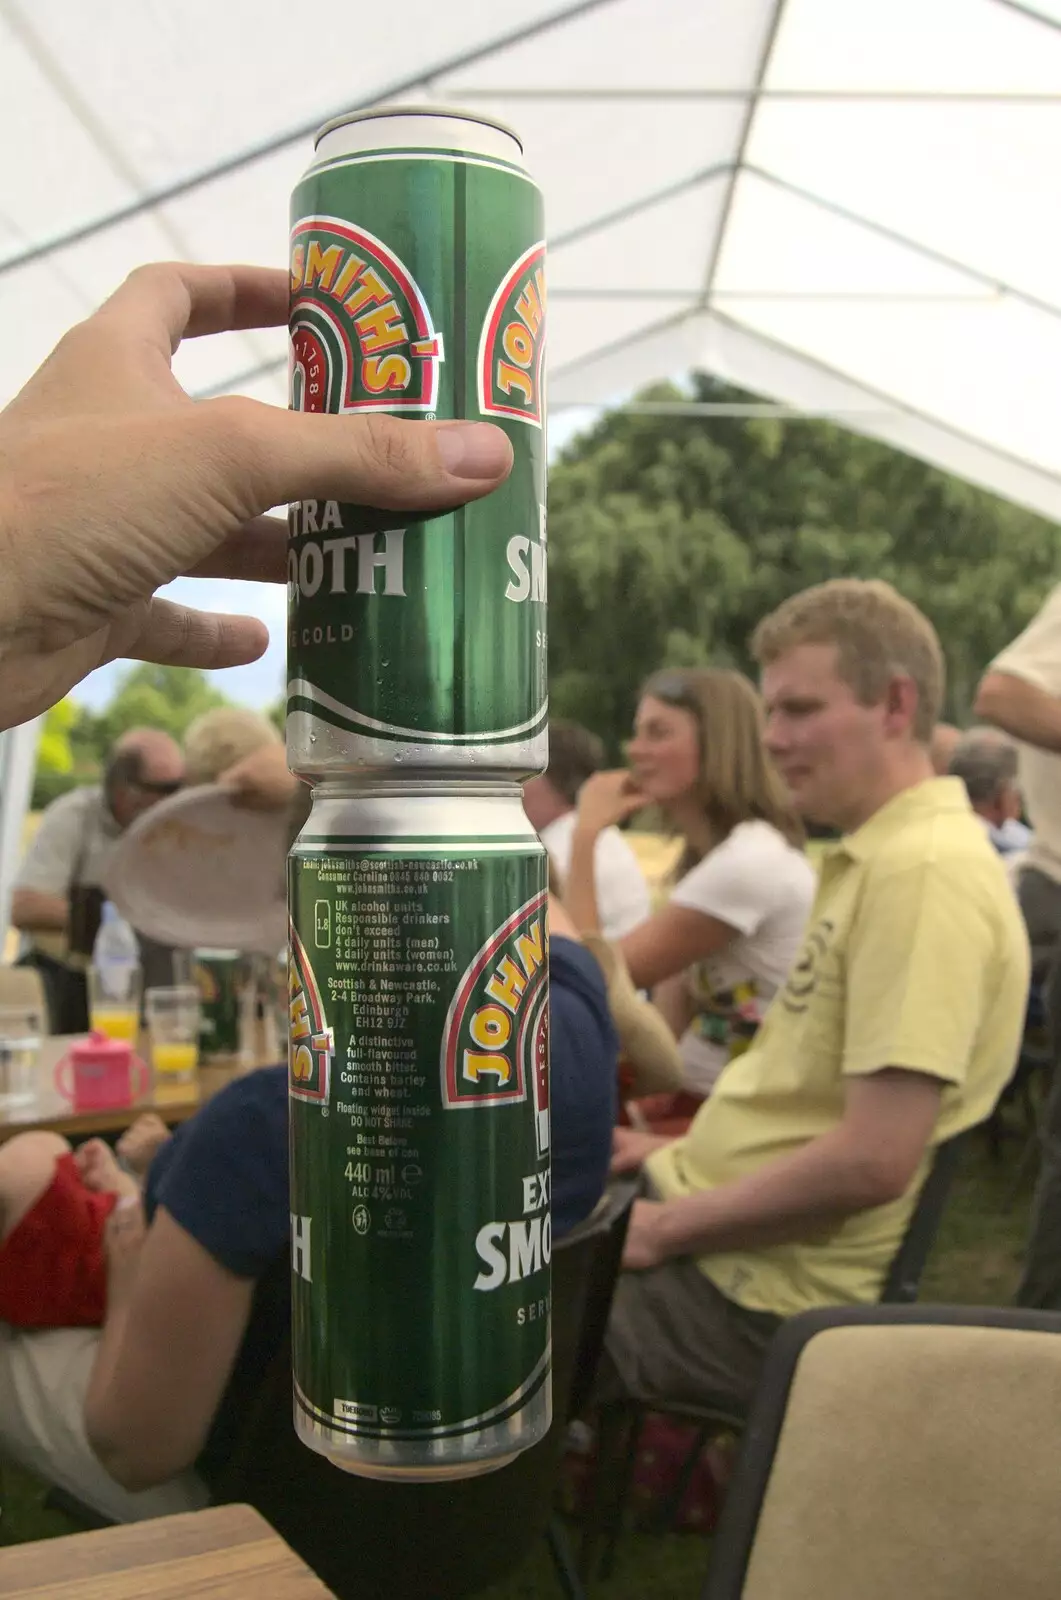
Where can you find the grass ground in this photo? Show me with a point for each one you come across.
(976, 1262)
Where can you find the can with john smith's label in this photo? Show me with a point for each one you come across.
(418, 289)
(419, 1094)
(216, 975)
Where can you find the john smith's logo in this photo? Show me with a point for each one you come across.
(495, 1047)
(362, 338)
(512, 346)
(311, 1043)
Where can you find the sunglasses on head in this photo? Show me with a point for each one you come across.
(673, 688)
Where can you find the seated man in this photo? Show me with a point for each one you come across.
(986, 762)
(191, 1313)
(897, 1028)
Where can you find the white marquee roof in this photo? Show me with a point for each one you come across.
(852, 206)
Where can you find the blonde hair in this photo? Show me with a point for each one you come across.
(738, 781)
(878, 634)
(219, 738)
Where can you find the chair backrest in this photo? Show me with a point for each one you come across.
(367, 1539)
(898, 1450)
(904, 1274)
(24, 986)
(599, 1241)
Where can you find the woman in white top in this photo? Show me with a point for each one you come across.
(717, 952)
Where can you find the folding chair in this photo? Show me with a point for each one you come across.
(898, 1450)
(621, 1423)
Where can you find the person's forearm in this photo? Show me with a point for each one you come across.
(1021, 709)
(673, 1001)
(37, 911)
(580, 890)
(112, 1425)
(790, 1198)
(106, 1416)
(99, 1404)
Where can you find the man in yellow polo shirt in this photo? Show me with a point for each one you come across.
(897, 1027)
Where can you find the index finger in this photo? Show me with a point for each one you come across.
(174, 300)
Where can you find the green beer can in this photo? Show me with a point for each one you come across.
(419, 1100)
(418, 289)
(216, 975)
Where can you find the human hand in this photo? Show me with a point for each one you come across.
(114, 481)
(631, 1147)
(607, 798)
(138, 1144)
(261, 781)
(644, 1246)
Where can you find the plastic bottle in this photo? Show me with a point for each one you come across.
(116, 978)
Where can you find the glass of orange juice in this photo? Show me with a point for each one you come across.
(114, 1009)
(173, 1029)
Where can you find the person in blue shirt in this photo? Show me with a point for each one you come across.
(136, 1417)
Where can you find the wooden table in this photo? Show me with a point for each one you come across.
(226, 1552)
(173, 1102)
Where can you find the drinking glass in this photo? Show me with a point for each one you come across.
(173, 1029)
(21, 1028)
(114, 1009)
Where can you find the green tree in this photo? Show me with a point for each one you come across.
(55, 772)
(147, 696)
(669, 537)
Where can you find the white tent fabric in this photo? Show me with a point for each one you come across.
(18, 757)
(851, 206)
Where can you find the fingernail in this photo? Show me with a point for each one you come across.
(473, 449)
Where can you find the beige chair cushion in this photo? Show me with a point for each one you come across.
(23, 986)
(916, 1462)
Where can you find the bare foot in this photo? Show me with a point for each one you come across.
(100, 1170)
(138, 1144)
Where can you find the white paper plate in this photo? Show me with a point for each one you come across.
(198, 870)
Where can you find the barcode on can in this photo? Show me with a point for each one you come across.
(354, 1411)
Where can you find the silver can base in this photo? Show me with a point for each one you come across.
(428, 1461)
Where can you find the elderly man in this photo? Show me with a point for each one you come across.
(58, 892)
(986, 762)
(223, 738)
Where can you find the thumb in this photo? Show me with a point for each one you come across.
(364, 460)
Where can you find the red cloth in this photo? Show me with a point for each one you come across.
(667, 1114)
(53, 1273)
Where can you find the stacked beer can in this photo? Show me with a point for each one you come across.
(417, 696)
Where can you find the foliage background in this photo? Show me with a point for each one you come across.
(669, 537)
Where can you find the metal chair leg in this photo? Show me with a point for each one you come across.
(668, 1511)
(614, 1528)
(563, 1560)
(607, 1486)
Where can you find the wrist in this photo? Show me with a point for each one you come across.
(679, 1233)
